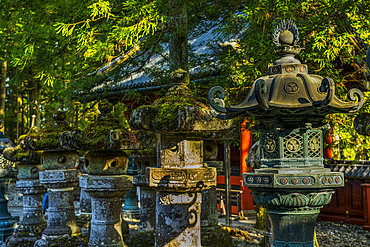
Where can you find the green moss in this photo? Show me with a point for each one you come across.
(48, 136)
(168, 108)
(68, 241)
(261, 218)
(96, 135)
(20, 153)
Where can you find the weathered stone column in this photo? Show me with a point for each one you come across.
(106, 193)
(211, 234)
(105, 164)
(147, 204)
(147, 194)
(59, 175)
(181, 174)
(178, 183)
(85, 214)
(60, 183)
(28, 184)
(146, 235)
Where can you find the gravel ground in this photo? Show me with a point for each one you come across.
(341, 235)
(329, 234)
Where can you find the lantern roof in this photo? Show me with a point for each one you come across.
(288, 94)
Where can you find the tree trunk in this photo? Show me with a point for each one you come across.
(3, 95)
(178, 42)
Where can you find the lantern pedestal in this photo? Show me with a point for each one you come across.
(146, 235)
(33, 222)
(59, 177)
(131, 209)
(7, 223)
(106, 199)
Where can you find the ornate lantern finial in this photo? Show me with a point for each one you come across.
(286, 34)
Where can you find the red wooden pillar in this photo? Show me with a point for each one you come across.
(328, 152)
(366, 201)
(245, 146)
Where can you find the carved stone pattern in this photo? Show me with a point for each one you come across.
(292, 200)
(337, 179)
(323, 180)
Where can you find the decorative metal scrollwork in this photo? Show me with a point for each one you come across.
(285, 25)
(352, 93)
(327, 85)
(293, 145)
(260, 91)
(217, 103)
(314, 144)
(270, 145)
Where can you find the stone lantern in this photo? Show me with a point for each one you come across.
(146, 235)
(33, 223)
(59, 175)
(7, 223)
(180, 174)
(289, 105)
(105, 165)
(131, 209)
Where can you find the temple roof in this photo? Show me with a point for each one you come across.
(204, 40)
(351, 169)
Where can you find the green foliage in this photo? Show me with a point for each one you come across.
(261, 218)
(55, 47)
(330, 32)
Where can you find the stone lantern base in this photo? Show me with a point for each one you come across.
(146, 235)
(33, 222)
(62, 218)
(7, 223)
(106, 199)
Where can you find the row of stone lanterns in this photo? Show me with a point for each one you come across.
(104, 182)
